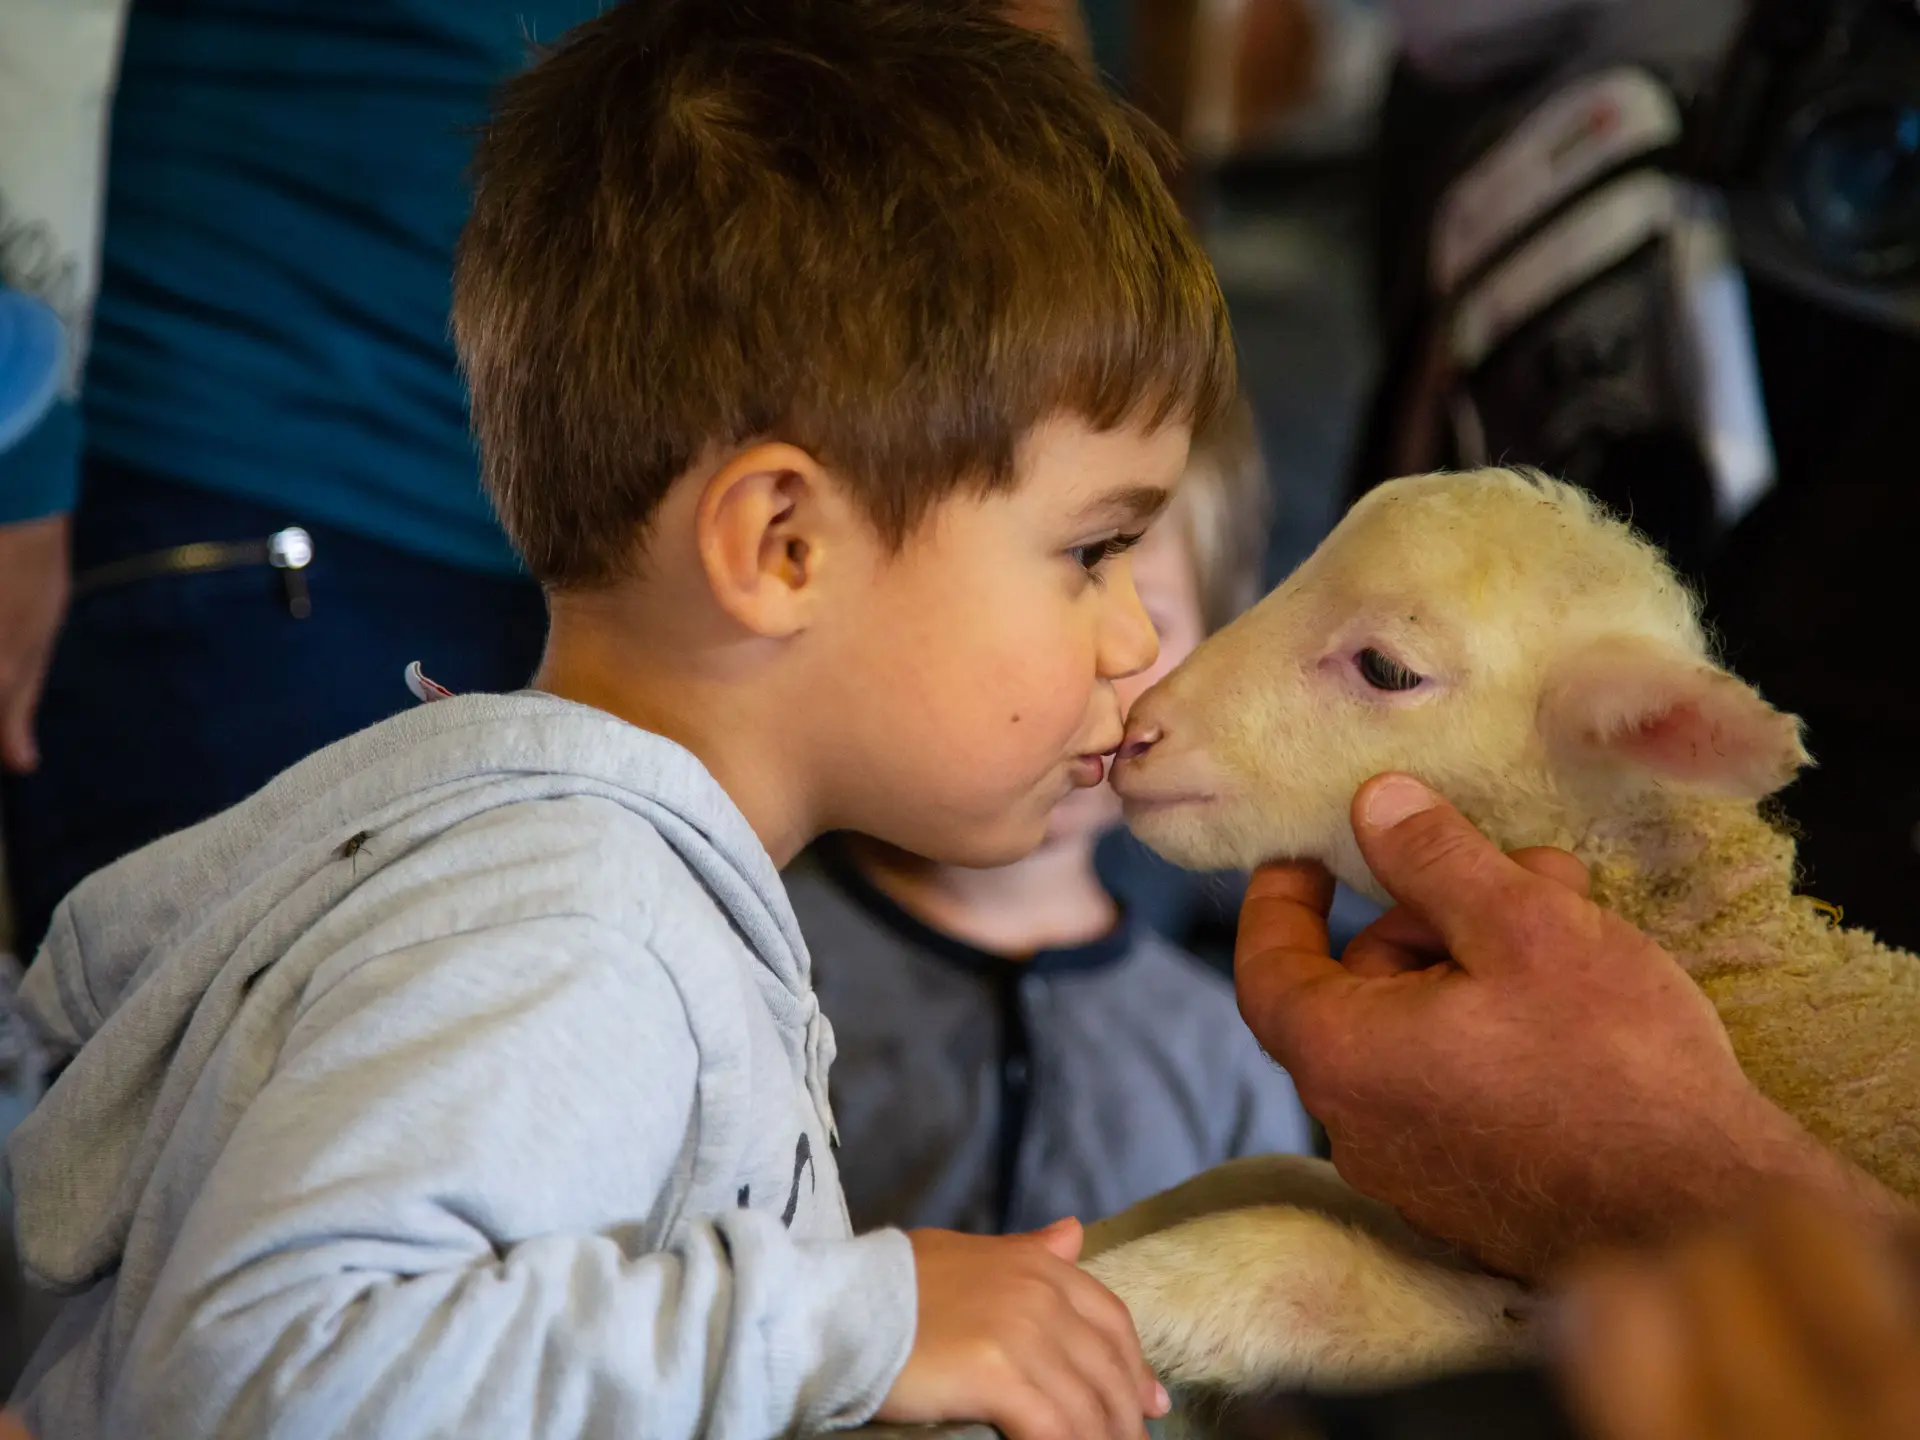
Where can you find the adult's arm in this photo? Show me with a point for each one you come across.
(1512, 1067)
(1794, 1322)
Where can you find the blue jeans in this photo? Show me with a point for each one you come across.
(170, 699)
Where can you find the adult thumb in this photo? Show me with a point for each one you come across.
(1429, 857)
(1063, 1238)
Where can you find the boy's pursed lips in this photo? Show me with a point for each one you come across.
(1090, 769)
(1087, 771)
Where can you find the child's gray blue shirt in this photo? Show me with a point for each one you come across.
(467, 1080)
(986, 1094)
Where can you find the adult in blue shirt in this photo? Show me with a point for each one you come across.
(268, 353)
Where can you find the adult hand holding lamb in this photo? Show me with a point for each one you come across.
(1511, 1067)
(1541, 666)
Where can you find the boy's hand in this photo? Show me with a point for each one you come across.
(1013, 1333)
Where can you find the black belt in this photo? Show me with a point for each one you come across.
(289, 551)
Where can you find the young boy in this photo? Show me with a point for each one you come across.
(468, 1080)
(1011, 1048)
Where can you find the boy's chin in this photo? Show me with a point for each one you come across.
(974, 848)
(1076, 818)
(1082, 815)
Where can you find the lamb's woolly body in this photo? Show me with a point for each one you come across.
(1572, 702)
(1825, 1020)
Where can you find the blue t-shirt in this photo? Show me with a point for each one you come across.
(286, 181)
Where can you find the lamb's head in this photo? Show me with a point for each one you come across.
(1494, 633)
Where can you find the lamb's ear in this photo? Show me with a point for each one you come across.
(1636, 709)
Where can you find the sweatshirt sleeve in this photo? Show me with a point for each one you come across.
(424, 1225)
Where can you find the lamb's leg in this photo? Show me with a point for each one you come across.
(1271, 1298)
(1298, 1182)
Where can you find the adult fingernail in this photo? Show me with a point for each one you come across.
(1397, 798)
(1162, 1402)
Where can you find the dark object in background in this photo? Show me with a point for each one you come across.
(1492, 1405)
(1546, 302)
(1812, 133)
(1816, 121)
(1819, 587)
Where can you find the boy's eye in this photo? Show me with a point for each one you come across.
(1091, 557)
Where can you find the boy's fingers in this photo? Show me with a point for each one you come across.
(1028, 1411)
(1109, 1379)
(1281, 963)
(1074, 1381)
(1107, 1313)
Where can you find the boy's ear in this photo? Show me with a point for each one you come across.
(1635, 710)
(760, 527)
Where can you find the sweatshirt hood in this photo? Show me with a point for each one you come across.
(148, 961)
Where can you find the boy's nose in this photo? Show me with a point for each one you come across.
(1139, 741)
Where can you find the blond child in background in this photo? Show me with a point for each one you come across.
(1012, 1048)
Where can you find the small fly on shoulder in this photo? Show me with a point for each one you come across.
(352, 846)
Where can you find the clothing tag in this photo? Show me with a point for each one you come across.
(424, 690)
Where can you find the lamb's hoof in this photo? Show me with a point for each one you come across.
(1256, 1301)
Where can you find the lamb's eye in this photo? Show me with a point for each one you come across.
(1384, 674)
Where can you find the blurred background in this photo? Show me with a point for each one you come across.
(1669, 249)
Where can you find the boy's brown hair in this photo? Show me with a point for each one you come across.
(1225, 512)
(896, 233)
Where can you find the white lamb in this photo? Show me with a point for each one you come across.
(1541, 666)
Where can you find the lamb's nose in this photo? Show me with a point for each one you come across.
(1138, 742)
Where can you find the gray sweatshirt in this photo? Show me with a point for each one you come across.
(467, 1080)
